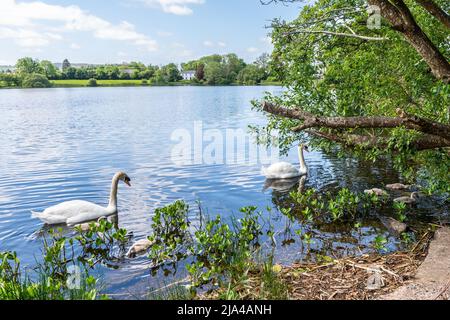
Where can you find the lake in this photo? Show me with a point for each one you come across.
(64, 144)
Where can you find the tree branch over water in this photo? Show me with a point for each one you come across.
(436, 134)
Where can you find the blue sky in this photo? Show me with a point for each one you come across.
(151, 31)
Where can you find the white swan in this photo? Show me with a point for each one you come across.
(78, 211)
(285, 170)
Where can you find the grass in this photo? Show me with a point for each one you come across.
(17, 284)
(124, 83)
(100, 83)
(271, 83)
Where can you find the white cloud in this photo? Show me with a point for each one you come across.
(75, 46)
(177, 7)
(211, 44)
(180, 50)
(252, 49)
(208, 43)
(164, 33)
(28, 38)
(22, 18)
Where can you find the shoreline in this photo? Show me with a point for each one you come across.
(135, 84)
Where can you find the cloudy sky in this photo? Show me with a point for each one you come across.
(152, 31)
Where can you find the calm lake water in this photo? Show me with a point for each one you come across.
(64, 144)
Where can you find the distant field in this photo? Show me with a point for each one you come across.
(81, 83)
(271, 83)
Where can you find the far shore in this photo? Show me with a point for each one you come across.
(135, 83)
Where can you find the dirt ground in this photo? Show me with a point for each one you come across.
(432, 280)
(421, 273)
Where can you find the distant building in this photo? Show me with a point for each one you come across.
(188, 75)
(59, 65)
(128, 71)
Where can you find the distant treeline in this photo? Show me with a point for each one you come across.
(210, 70)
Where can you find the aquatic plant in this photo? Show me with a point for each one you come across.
(103, 242)
(400, 208)
(48, 283)
(380, 242)
(344, 205)
(64, 270)
(222, 252)
(171, 238)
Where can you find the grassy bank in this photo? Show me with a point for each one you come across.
(125, 83)
(100, 83)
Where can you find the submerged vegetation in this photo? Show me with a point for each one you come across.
(223, 259)
(64, 270)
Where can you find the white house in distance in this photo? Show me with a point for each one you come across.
(188, 75)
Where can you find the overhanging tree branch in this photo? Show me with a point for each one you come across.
(403, 120)
(338, 34)
(426, 142)
(435, 11)
(310, 120)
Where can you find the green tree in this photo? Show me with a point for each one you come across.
(81, 74)
(100, 73)
(35, 80)
(214, 73)
(112, 72)
(263, 62)
(200, 72)
(70, 73)
(251, 74)
(92, 83)
(65, 64)
(28, 65)
(49, 69)
(231, 65)
(9, 79)
(357, 86)
(124, 76)
(170, 73)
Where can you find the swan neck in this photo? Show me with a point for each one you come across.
(113, 194)
(302, 159)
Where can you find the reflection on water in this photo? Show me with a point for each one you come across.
(64, 144)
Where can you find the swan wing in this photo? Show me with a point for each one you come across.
(281, 170)
(74, 211)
